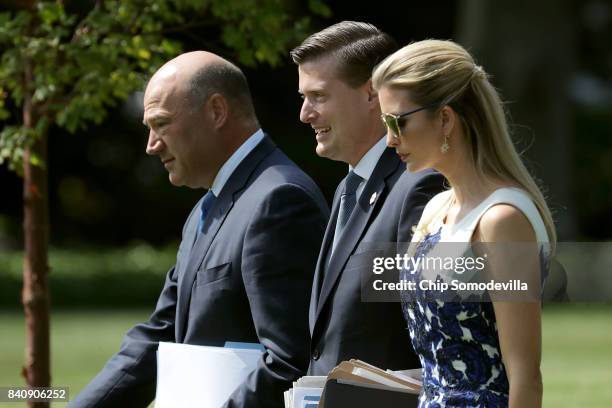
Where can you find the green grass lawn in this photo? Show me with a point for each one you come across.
(81, 342)
(577, 356)
(577, 351)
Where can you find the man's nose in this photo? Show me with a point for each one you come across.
(307, 114)
(154, 144)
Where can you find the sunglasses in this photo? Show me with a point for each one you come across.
(394, 123)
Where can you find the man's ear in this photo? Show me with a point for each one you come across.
(218, 110)
(372, 94)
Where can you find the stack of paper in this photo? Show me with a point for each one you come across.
(354, 378)
(306, 392)
(201, 376)
(361, 372)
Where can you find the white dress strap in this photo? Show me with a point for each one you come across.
(518, 198)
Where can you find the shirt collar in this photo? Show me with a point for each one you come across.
(235, 159)
(365, 166)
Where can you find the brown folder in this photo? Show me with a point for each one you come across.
(347, 394)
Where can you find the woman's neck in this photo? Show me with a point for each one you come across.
(470, 187)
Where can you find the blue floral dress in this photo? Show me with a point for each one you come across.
(457, 342)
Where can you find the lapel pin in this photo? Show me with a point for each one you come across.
(372, 198)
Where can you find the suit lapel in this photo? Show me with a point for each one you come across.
(326, 246)
(214, 220)
(369, 201)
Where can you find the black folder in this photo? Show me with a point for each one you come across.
(346, 394)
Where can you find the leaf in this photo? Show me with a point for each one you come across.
(320, 8)
(35, 160)
(144, 54)
(83, 64)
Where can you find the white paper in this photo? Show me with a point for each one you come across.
(313, 381)
(370, 375)
(301, 392)
(200, 376)
(414, 376)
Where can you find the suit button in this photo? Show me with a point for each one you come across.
(316, 354)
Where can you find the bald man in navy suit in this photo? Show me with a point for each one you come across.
(245, 264)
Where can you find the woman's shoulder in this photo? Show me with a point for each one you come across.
(505, 222)
(511, 215)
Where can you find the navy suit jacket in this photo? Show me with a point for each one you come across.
(342, 326)
(246, 278)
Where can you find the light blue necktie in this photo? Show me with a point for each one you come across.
(207, 203)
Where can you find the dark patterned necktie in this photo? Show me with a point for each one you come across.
(348, 199)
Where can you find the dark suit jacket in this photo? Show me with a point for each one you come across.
(342, 326)
(247, 278)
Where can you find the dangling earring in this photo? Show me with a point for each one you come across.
(444, 148)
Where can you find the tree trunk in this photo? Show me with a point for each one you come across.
(529, 49)
(35, 294)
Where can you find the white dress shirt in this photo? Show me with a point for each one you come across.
(365, 167)
(235, 159)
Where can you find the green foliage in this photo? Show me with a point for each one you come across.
(137, 258)
(261, 34)
(128, 276)
(73, 67)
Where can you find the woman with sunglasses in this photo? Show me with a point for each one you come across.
(442, 112)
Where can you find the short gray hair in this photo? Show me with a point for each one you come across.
(225, 79)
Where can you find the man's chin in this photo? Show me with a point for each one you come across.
(323, 151)
(175, 181)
